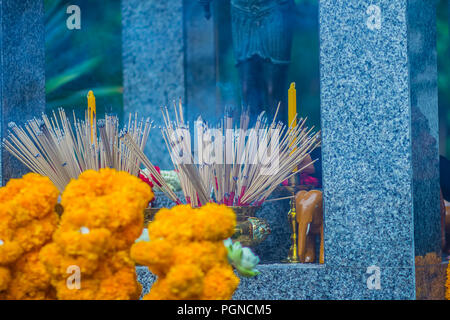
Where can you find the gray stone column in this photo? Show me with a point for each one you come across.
(22, 68)
(153, 64)
(380, 131)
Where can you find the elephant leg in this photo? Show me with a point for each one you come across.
(303, 227)
(322, 255)
(310, 256)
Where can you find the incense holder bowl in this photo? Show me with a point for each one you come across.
(149, 215)
(250, 230)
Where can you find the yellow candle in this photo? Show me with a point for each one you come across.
(91, 112)
(292, 105)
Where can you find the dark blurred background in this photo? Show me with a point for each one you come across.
(443, 48)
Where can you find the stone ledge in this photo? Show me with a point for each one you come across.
(314, 282)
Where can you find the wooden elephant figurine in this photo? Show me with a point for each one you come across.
(309, 214)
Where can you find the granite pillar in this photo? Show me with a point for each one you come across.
(379, 121)
(153, 64)
(22, 69)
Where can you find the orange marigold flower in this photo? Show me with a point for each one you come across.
(187, 254)
(5, 278)
(205, 254)
(10, 251)
(30, 280)
(57, 262)
(37, 232)
(121, 259)
(220, 283)
(173, 224)
(103, 216)
(122, 285)
(96, 242)
(157, 255)
(87, 291)
(159, 291)
(128, 234)
(215, 222)
(447, 284)
(27, 222)
(185, 281)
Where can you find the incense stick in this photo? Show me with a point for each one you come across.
(236, 176)
(51, 146)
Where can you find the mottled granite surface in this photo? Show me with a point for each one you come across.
(146, 278)
(369, 92)
(312, 282)
(153, 64)
(276, 246)
(162, 201)
(366, 150)
(22, 68)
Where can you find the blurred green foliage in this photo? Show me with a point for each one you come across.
(81, 60)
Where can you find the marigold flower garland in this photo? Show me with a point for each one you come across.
(187, 254)
(27, 222)
(103, 216)
(447, 284)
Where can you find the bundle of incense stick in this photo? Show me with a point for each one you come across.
(235, 175)
(137, 153)
(53, 147)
